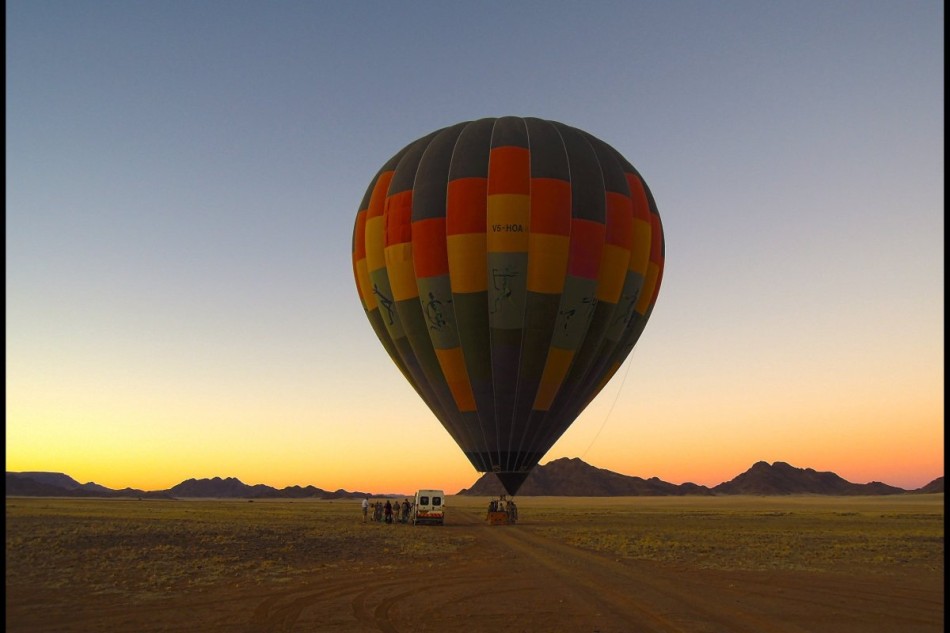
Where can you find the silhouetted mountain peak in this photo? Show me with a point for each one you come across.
(781, 478)
(572, 477)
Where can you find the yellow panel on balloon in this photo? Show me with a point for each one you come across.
(467, 262)
(547, 262)
(453, 366)
(375, 233)
(402, 277)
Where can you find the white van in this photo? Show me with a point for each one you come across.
(429, 508)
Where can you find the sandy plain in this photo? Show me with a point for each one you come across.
(636, 564)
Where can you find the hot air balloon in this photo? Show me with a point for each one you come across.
(508, 266)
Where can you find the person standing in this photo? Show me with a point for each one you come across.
(365, 505)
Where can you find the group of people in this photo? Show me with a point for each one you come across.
(390, 512)
(504, 505)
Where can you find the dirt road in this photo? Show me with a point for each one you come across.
(515, 580)
(507, 578)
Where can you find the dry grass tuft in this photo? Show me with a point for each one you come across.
(826, 534)
(144, 548)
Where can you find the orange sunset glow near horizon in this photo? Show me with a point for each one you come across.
(398, 445)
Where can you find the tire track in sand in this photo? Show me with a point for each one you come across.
(515, 579)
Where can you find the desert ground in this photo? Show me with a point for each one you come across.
(651, 564)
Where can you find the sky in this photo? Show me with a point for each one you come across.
(182, 180)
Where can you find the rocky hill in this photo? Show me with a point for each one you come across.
(46, 484)
(571, 477)
(234, 488)
(934, 486)
(574, 478)
(780, 478)
(565, 477)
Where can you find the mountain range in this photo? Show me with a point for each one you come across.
(571, 477)
(564, 477)
(47, 484)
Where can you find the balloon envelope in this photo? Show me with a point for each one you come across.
(508, 266)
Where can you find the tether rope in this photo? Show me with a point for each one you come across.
(612, 405)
